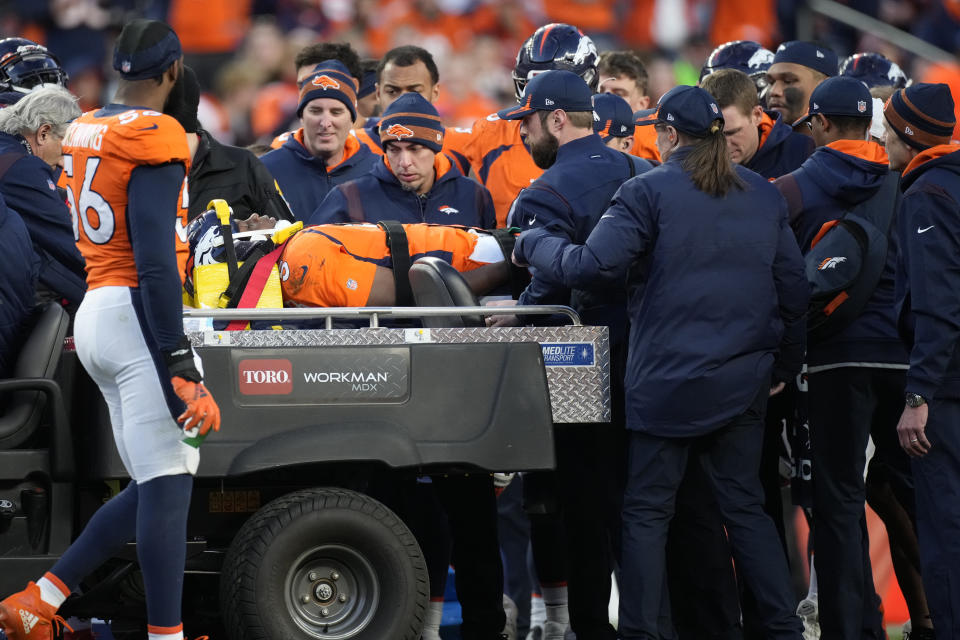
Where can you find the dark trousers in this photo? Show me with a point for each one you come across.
(845, 405)
(471, 508)
(700, 575)
(730, 457)
(937, 481)
(589, 457)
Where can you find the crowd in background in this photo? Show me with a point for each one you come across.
(243, 50)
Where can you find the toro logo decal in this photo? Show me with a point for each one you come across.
(265, 377)
(399, 132)
(326, 82)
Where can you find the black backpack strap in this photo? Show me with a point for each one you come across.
(790, 190)
(400, 256)
(519, 277)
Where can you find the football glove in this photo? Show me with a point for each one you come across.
(202, 411)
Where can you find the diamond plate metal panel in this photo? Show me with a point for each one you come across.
(579, 393)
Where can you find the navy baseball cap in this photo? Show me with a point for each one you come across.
(808, 54)
(688, 109)
(614, 117)
(839, 96)
(555, 89)
(145, 49)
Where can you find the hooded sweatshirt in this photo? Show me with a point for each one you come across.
(835, 179)
(781, 149)
(379, 195)
(927, 273)
(305, 180)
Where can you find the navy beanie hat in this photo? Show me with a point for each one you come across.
(411, 118)
(329, 79)
(922, 115)
(145, 49)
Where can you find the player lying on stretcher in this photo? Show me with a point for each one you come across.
(348, 265)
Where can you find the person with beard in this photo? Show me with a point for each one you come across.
(798, 67)
(581, 175)
(218, 170)
(717, 302)
(125, 167)
(413, 181)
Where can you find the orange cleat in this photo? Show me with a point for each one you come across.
(24, 616)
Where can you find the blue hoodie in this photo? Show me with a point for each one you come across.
(928, 274)
(569, 199)
(719, 308)
(305, 180)
(18, 279)
(29, 187)
(833, 180)
(781, 149)
(452, 200)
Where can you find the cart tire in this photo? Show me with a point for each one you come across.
(324, 563)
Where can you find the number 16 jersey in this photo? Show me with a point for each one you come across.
(100, 151)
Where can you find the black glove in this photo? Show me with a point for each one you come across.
(180, 362)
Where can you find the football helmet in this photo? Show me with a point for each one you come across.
(745, 55)
(25, 64)
(874, 70)
(556, 46)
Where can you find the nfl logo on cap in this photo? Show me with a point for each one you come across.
(862, 106)
(125, 66)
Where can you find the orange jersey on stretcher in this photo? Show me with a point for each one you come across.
(333, 265)
(99, 154)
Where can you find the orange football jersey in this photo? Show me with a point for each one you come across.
(645, 143)
(99, 154)
(501, 161)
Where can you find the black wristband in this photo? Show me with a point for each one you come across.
(180, 362)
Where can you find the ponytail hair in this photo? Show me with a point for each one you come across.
(709, 166)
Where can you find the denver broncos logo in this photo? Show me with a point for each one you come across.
(831, 263)
(399, 132)
(447, 209)
(326, 82)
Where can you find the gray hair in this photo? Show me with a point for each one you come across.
(51, 105)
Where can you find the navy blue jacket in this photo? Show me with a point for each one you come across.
(29, 187)
(18, 279)
(569, 198)
(927, 274)
(378, 195)
(723, 293)
(833, 180)
(781, 149)
(304, 179)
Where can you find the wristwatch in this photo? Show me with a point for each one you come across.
(914, 400)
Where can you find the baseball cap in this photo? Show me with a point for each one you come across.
(808, 54)
(839, 96)
(614, 117)
(329, 79)
(688, 109)
(145, 49)
(550, 90)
